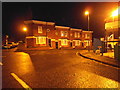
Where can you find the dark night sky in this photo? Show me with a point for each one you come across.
(62, 13)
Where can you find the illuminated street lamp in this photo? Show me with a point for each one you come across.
(87, 14)
(114, 14)
(24, 29)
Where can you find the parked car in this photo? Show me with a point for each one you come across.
(10, 45)
(14, 44)
(6, 46)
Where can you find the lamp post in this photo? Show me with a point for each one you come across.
(87, 14)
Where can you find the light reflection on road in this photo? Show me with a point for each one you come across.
(25, 63)
(94, 81)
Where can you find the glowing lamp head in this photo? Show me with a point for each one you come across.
(24, 29)
(116, 12)
(86, 13)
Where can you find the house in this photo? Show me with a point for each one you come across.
(76, 38)
(62, 36)
(87, 39)
(47, 34)
(38, 33)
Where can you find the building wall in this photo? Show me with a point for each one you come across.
(30, 42)
(56, 36)
(87, 39)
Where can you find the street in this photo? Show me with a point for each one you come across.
(55, 69)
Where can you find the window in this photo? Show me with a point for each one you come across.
(64, 33)
(78, 35)
(87, 35)
(75, 34)
(40, 40)
(64, 42)
(39, 29)
(77, 42)
(86, 42)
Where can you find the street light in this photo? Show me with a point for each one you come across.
(25, 30)
(87, 14)
(115, 13)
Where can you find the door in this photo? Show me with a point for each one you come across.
(71, 44)
(56, 45)
(49, 42)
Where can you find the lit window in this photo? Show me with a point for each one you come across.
(64, 33)
(64, 42)
(86, 42)
(75, 34)
(77, 42)
(87, 35)
(40, 40)
(78, 35)
(39, 29)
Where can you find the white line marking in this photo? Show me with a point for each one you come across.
(21, 82)
(1, 63)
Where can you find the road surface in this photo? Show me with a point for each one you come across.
(55, 69)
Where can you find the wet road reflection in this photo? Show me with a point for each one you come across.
(90, 80)
(57, 69)
(24, 63)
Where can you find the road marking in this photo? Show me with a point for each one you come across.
(21, 82)
(1, 63)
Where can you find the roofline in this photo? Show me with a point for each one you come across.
(88, 31)
(62, 27)
(74, 29)
(38, 22)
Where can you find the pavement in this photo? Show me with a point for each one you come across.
(107, 58)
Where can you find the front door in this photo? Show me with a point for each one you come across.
(71, 44)
(56, 45)
(49, 42)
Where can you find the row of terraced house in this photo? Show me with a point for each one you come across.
(47, 34)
